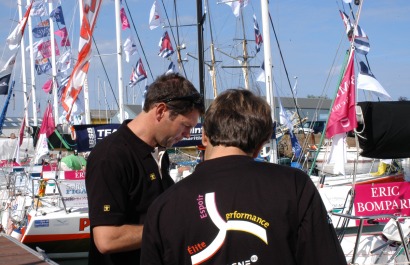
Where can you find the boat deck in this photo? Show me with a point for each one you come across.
(13, 252)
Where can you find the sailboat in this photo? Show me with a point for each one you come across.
(369, 212)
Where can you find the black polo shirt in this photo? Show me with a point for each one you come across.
(234, 210)
(122, 180)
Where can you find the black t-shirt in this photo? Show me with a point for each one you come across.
(122, 180)
(234, 210)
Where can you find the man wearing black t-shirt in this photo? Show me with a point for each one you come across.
(127, 170)
(235, 210)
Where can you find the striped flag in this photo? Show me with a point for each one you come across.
(166, 49)
(258, 35)
(138, 74)
(361, 40)
(76, 81)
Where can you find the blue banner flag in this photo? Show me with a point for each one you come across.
(57, 15)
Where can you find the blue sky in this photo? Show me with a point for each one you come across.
(311, 35)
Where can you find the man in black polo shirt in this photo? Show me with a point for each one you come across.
(127, 170)
(235, 210)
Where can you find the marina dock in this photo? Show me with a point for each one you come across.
(13, 252)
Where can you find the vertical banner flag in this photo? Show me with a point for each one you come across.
(5, 75)
(45, 49)
(38, 9)
(46, 129)
(258, 35)
(64, 37)
(14, 39)
(367, 81)
(76, 81)
(138, 74)
(48, 85)
(42, 65)
(42, 29)
(124, 19)
(130, 48)
(166, 49)
(57, 15)
(154, 17)
(64, 62)
(343, 113)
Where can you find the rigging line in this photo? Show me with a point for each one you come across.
(286, 70)
(172, 32)
(139, 40)
(105, 71)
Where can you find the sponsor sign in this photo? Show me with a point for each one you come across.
(41, 223)
(385, 198)
(74, 193)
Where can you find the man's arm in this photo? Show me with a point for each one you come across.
(112, 239)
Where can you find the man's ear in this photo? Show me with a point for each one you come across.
(160, 110)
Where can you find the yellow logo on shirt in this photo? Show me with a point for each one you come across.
(106, 208)
(152, 176)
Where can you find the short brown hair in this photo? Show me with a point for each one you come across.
(177, 92)
(240, 119)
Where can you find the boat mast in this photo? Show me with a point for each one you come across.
(200, 22)
(245, 56)
(211, 66)
(23, 66)
(32, 70)
(53, 64)
(268, 69)
(119, 59)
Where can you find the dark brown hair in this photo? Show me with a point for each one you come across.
(238, 118)
(177, 92)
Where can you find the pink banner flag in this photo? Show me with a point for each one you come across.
(48, 85)
(64, 37)
(76, 81)
(124, 19)
(48, 125)
(45, 49)
(343, 113)
(21, 134)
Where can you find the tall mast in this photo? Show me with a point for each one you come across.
(85, 85)
(53, 64)
(32, 70)
(23, 66)
(119, 59)
(212, 67)
(199, 17)
(268, 68)
(245, 56)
